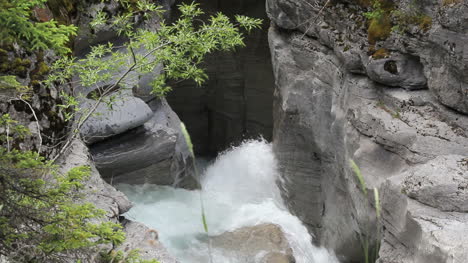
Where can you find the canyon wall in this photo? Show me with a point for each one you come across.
(390, 94)
(236, 101)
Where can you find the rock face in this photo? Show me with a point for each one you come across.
(138, 140)
(236, 101)
(397, 107)
(264, 243)
(115, 203)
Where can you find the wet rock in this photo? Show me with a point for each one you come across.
(265, 243)
(154, 153)
(146, 241)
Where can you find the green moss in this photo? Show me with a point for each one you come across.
(41, 70)
(413, 16)
(3, 53)
(18, 66)
(62, 10)
(450, 2)
(379, 29)
(425, 22)
(379, 20)
(381, 53)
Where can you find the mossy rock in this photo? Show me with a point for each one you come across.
(17, 67)
(40, 71)
(379, 29)
(425, 22)
(381, 53)
(451, 2)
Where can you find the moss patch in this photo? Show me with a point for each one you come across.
(379, 29)
(381, 53)
(425, 22)
(17, 67)
(450, 2)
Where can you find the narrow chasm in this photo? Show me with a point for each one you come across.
(237, 100)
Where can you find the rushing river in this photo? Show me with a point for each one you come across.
(239, 190)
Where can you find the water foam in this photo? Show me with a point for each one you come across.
(239, 189)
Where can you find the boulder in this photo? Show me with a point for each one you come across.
(265, 243)
(146, 241)
(437, 48)
(126, 113)
(155, 153)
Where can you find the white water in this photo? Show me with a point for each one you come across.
(239, 190)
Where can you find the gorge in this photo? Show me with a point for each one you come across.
(276, 129)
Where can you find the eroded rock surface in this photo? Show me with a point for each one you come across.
(114, 203)
(396, 106)
(263, 243)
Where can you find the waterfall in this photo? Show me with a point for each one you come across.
(239, 189)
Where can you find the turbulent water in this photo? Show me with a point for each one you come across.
(239, 190)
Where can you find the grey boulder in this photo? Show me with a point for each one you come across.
(154, 153)
(265, 243)
(126, 113)
(146, 241)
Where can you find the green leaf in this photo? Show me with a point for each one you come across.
(358, 174)
(187, 137)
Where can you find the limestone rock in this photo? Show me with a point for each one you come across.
(146, 241)
(440, 183)
(439, 49)
(419, 233)
(155, 153)
(97, 191)
(263, 243)
(398, 71)
(334, 103)
(125, 114)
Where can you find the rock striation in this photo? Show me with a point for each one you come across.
(396, 106)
